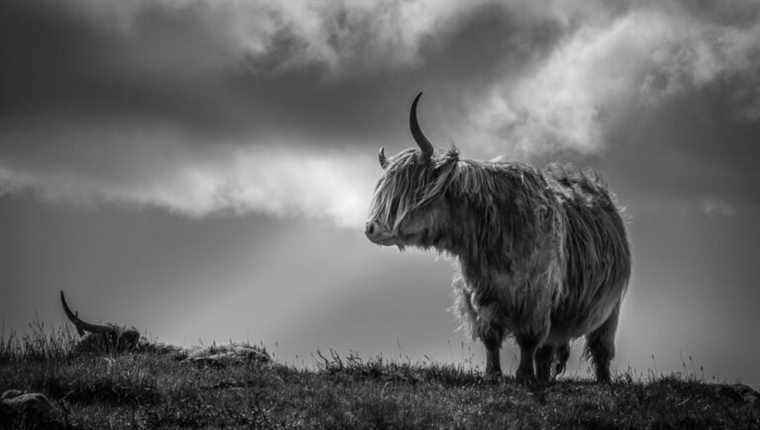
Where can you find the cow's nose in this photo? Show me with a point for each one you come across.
(370, 229)
(377, 233)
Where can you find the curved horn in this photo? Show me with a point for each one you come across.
(417, 134)
(381, 158)
(80, 325)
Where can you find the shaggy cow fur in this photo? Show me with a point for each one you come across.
(544, 255)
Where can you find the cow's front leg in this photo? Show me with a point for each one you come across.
(529, 342)
(493, 361)
(528, 345)
(492, 338)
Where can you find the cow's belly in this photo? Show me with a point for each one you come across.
(569, 325)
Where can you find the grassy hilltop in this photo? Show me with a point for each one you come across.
(160, 388)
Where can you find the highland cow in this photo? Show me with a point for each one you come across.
(543, 254)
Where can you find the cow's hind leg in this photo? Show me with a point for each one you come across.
(600, 345)
(563, 354)
(546, 356)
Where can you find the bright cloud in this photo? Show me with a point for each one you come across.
(160, 169)
(604, 69)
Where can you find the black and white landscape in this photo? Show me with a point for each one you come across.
(203, 171)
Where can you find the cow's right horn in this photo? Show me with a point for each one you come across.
(425, 146)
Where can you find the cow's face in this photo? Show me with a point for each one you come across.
(409, 206)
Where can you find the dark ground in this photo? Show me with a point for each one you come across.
(158, 389)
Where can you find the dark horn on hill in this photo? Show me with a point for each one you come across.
(80, 325)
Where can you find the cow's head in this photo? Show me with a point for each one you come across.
(409, 207)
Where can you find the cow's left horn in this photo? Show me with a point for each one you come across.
(417, 134)
(381, 158)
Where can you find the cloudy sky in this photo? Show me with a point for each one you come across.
(202, 169)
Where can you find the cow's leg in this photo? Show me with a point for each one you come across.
(544, 357)
(563, 354)
(600, 345)
(491, 332)
(530, 339)
(528, 345)
(492, 338)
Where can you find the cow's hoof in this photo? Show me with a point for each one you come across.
(493, 376)
(603, 376)
(525, 378)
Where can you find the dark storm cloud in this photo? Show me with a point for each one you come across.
(92, 61)
(203, 106)
(256, 68)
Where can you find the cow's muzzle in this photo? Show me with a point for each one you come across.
(378, 234)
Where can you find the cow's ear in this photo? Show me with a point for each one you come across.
(381, 158)
(453, 153)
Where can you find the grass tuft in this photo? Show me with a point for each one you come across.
(38, 344)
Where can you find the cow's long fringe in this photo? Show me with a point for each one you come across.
(408, 184)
